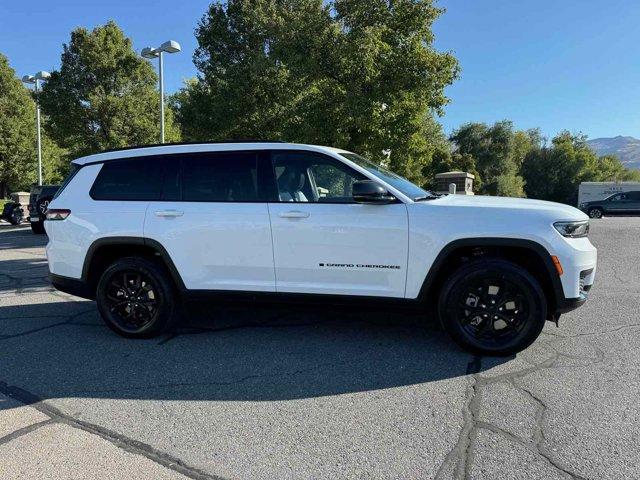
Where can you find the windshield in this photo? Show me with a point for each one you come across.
(405, 186)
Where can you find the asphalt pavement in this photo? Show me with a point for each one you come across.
(312, 393)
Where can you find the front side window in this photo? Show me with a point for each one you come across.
(133, 179)
(307, 177)
(619, 197)
(400, 183)
(221, 177)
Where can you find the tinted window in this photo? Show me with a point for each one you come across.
(135, 179)
(635, 196)
(308, 177)
(220, 177)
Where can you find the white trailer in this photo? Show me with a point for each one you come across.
(590, 191)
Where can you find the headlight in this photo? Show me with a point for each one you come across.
(573, 229)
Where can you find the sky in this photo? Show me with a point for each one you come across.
(552, 64)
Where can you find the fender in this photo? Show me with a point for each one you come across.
(542, 252)
(133, 241)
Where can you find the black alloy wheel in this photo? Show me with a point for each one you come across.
(493, 307)
(136, 298)
(132, 299)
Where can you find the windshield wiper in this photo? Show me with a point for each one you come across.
(429, 196)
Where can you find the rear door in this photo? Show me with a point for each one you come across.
(634, 202)
(213, 221)
(326, 243)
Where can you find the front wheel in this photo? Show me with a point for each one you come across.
(492, 307)
(136, 298)
(595, 213)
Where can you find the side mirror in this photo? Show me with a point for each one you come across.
(368, 191)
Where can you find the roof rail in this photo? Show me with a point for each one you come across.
(169, 144)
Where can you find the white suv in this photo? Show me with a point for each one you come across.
(140, 229)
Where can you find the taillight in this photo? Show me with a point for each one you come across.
(58, 213)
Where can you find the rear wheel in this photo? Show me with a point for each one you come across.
(136, 298)
(595, 213)
(37, 228)
(492, 307)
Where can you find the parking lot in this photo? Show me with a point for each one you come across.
(278, 393)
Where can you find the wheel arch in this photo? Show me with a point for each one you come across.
(105, 251)
(527, 253)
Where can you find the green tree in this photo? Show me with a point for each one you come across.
(16, 128)
(358, 74)
(18, 155)
(104, 95)
(554, 172)
(498, 152)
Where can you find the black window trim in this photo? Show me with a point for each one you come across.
(262, 157)
(266, 175)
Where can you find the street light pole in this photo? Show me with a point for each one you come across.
(35, 79)
(38, 135)
(170, 46)
(161, 85)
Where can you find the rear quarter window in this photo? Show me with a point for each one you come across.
(132, 179)
(72, 173)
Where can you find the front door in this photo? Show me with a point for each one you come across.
(214, 221)
(326, 243)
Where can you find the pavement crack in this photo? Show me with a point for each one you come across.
(121, 441)
(24, 431)
(539, 439)
(460, 458)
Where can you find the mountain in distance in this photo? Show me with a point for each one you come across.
(627, 149)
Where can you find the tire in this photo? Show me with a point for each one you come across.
(16, 216)
(137, 298)
(37, 228)
(492, 307)
(595, 212)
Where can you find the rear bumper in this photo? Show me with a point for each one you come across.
(72, 286)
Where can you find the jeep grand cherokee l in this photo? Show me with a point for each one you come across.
(140, 229)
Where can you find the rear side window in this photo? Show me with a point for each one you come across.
(221, 177)
(136, 179)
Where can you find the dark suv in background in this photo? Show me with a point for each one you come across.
(39, 199)
(618, 203)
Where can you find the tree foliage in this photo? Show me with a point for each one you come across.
(18, 154)
(497, 152)
(554, 172)
(361, 75)
(104, 95)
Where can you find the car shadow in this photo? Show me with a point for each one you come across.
(54, 346)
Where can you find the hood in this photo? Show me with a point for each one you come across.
(558, 211)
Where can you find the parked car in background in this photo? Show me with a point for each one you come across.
(618, 203)
(39, 199)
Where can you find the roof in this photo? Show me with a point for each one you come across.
(173, 148)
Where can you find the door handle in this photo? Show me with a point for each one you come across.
(169, 213)
(293, 214)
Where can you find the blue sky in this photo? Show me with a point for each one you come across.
(552, 64)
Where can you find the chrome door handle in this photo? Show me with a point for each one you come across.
(293, 214)
(169, 213)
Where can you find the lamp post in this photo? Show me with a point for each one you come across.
(170, 46)
(35, 79)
